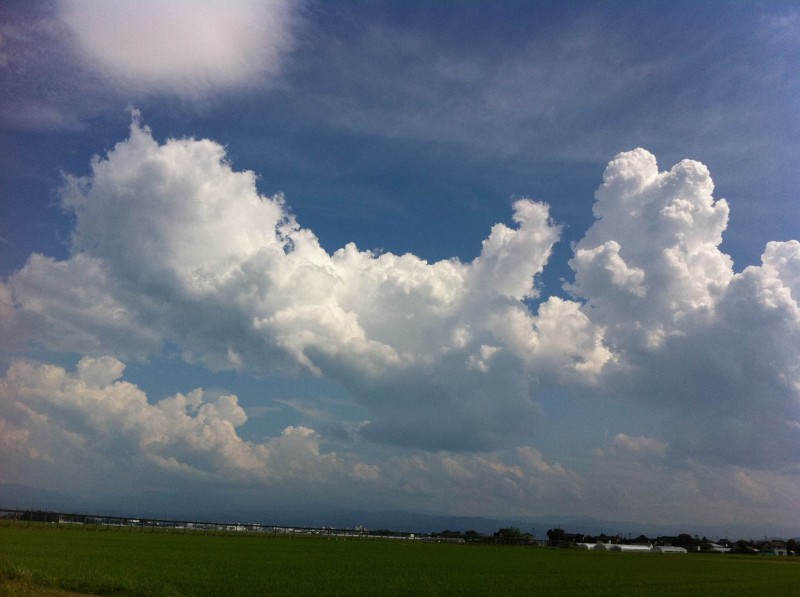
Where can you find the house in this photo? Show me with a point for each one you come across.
(773, 548)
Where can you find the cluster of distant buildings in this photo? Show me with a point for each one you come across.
(682, 543)
(678, 544)
(773, 547)
(152, 525)
(635, 547)
(556, 538)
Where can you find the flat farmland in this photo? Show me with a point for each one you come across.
(58, 560)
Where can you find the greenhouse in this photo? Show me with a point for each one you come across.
(668, 549)
(638, 548)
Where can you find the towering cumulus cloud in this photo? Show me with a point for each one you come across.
(651, 262)
(172, 247)
(717, 353)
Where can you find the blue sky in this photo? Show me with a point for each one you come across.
(497, 259)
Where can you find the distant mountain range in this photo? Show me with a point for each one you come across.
(175, 506)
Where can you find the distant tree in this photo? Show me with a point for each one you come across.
(555, 536)
(472, 535)
(508, 535)
(742, 546)
(686, 541)
(791, 546)
(35, 515)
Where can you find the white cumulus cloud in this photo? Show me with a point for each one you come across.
(92, 430)
(96, 428)
(714, 352)
(651, 260)
(173, 247)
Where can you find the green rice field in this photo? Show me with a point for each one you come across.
(59, 560)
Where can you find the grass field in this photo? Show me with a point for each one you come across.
(46, 560)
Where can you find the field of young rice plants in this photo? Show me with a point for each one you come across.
(51, 560)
